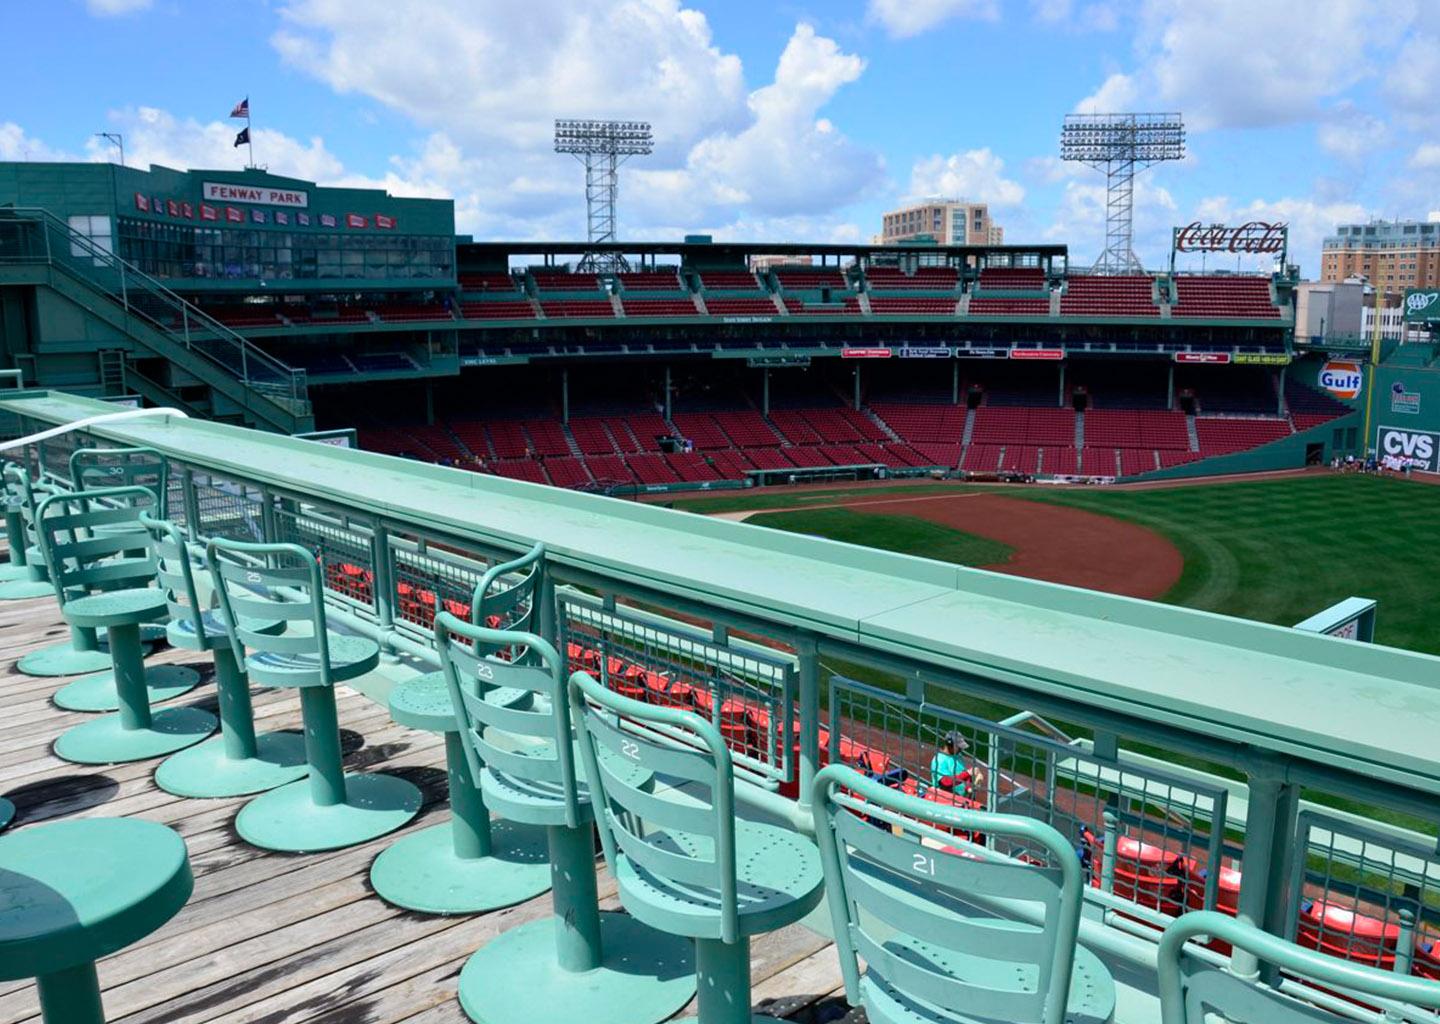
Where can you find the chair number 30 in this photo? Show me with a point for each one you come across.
(923, 865)
(630, 749)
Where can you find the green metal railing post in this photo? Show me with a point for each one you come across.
(1111, 849)
(384, 590)
(1270, 822)
(191, 502)
(807, 652)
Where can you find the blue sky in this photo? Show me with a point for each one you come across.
(791, 120)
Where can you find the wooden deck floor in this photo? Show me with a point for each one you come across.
(274, 938)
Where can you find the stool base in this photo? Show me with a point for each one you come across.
(514, 978)
(422, 871)
(288, 819)
(97, 692)
(66, 660)
(206, 771)
(25, 590)
(105, 741)
(9, 572)
(7, 812)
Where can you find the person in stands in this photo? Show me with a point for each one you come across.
(948, 770)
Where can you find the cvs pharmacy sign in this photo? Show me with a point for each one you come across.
(1420, 446)
(1342, 378)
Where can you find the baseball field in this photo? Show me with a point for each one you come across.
(1275, 550)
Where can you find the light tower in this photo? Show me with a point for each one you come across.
(602, 146)
(1119, 145)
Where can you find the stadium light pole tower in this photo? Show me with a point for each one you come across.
(602, 146)
(1120, 145)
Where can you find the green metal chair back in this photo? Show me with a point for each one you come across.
(19, 482)
(902, 889)
(122, 467)
(81, 555)
(1193, 991)
(259, 583)
(532, 743)
(687, 838)
(175, 573)
(515, 602)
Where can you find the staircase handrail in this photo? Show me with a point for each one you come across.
(288, 382)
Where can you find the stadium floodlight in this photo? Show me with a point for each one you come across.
(602, 146)
(1119, 145)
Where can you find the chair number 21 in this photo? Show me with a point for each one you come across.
(923, 865)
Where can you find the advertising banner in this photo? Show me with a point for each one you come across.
(1419, 446)
(222, 192)
(1343, 378)
(1202, 357)
(918, 352)
(1422, 305)
(1037, 353)
(864, 353)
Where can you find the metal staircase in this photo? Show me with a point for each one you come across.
(260, 389)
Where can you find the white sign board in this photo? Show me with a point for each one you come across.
(225, 192)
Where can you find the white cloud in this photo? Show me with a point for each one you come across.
(1309, 220)
(16, 145)
(903, 18)
(1242, 64)
(1080, 218)
(1426, 157)
(489, 80)
(112, 8)
(1351, 133)
(977, 174)
(1093, 17)
(154, 136)
(1413, 79)
(1116, 94)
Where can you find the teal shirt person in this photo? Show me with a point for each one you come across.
(949, 763)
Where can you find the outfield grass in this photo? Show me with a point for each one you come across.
(754, 500)
(906, 535)
(1279, 550)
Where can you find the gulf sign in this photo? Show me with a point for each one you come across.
(1342, 378)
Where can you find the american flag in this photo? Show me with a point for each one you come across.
(242, 109)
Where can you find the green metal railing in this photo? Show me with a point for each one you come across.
(36, 236)
(369, 550)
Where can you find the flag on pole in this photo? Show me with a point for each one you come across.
(242, 109)
(243, 139)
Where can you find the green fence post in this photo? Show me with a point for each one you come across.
(808, 700)
(1269, 831)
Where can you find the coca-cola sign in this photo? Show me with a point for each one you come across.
(1257, 236)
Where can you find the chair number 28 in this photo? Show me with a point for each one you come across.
(630, 749)
(923, 865)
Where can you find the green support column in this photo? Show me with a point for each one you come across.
(955, 382)
(1269, 834)
(565, 397)
(1280, 393)
(1062, 385)
(1170, 386)
(577, 914)
(238, 762)
(71, 996)
(808, 701)
(322, 745)
(765, 391)
(667, 391)
(857, 387)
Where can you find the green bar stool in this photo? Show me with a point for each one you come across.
(17, 568)
(331, 808)
(237, 762)
(7, 812)
(1194, 991)
(75, 891)
(104, 588)
(684, 862)
(20, 493)
(578, 964)
(931, 915)
(470, 863)
(87, 652)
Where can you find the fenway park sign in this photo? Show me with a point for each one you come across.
(1257, 236)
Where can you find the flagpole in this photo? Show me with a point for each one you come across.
(249, 135)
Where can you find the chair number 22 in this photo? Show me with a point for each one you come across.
(923, 865)
(630, 749)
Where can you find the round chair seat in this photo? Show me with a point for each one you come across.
(75, 891)
(1092, 990)
(181, 632)
(778, 875)
(423, 702)
(350, 658)
(537, 802)
(116, 608)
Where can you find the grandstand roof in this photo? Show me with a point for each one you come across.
(704, 252)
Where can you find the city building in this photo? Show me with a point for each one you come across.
(944, 221)
(1395, 254)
